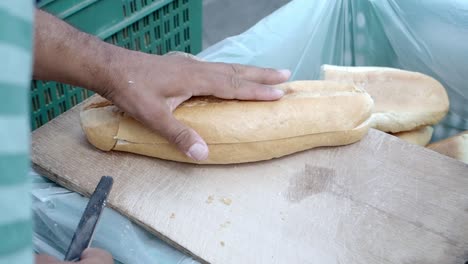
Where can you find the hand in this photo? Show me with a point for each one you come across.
(150, 87)
(89, 256)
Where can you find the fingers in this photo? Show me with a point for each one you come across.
(89, 256)
(250, 73)
(235, 81)
(183, 137)
(235, 88)
(96, 256)
(46, 259)
(232, 87)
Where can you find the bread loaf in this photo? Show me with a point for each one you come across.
(403, 100)
(420, 136)
(311, 114)
(455, 147)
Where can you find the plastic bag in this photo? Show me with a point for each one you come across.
(57, 212)
(430, 37)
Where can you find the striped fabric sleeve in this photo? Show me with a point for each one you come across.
(16, 33)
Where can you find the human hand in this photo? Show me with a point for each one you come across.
(150, 87)
(89, 256)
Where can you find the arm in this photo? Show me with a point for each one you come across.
(148, 87)
(65, 54)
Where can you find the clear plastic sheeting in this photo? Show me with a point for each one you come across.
(430, 37)
(57, 212)
(426, 36)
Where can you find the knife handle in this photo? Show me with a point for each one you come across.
(89, 220)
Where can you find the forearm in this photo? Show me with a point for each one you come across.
(65, 54)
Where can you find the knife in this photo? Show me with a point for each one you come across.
(89, 220)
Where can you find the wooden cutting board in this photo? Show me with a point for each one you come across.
(380, 200)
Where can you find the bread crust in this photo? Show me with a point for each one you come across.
(311, 114)
(404, 100)
(100, 119)
(420, 136)
(455, 147)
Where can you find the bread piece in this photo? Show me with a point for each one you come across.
(420, 136)
(100, 120)
(403, 100)
(311, 114)
(455, 147)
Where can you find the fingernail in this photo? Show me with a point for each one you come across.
(285, 73)
(277, 92)
(198, 152)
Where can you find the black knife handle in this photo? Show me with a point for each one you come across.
(88, 222)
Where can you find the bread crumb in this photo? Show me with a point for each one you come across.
(288, 90)
(226, 201)
(225, 224)
(210, 199)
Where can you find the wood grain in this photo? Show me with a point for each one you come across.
(377, 201)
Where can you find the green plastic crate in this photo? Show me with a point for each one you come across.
(151, 26)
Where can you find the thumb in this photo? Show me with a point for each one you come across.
(184, 138)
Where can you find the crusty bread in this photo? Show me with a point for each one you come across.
(100, 120)
(455, 147)
(311, 114)
(403, 100)
(420, 136)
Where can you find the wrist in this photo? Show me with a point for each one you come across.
(100, 67)
(121, 73)
(114, 65)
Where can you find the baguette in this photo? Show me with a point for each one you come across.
(455, 147)
(420, 136)
(311, 114)
(403, 100)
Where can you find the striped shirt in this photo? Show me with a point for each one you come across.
(16, 45)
